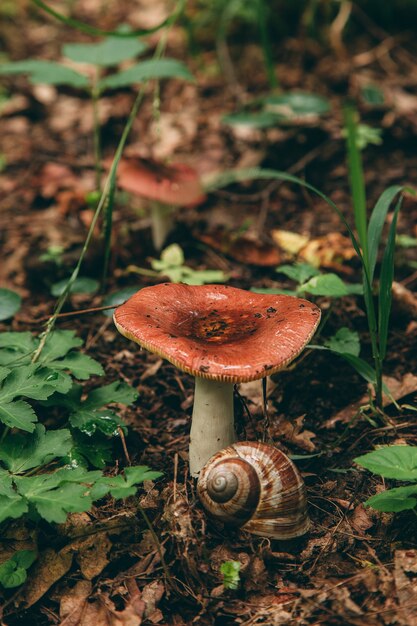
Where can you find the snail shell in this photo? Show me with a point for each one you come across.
(255, 486)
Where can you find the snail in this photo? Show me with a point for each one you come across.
(256, 487)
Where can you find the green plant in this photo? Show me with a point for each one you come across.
(398, 463)
(13, 572)
(171, 265)
(230, 570)
(297, 107)
(45, 473)
(366, 242)
(10, 302)
(312, 281)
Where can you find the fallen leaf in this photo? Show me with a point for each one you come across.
(405, 576)
(92, 554)
(50, 567)
(288, 241)
(360, 519)
(329, 251)
(243, 248)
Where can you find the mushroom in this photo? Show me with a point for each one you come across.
(164, 187)
(222, 336)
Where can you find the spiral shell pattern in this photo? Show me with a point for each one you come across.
(255, 486)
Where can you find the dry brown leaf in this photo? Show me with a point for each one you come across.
(77, 608)
(293, 432)
(329, 251)
(92, 554)
(360, 519)
(405, 576)
(73, 602)
(244, 248)
(152, 594)
(50, 567)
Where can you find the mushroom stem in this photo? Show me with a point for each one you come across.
(161, 223)
(212, 427)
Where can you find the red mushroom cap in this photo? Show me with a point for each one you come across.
(176, 184)
(218, 332)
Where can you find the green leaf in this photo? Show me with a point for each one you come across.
(394, 500)
(24, 558)
(345, 341)
(55, 495)
(117, 391)
(202, 277)
(20, 453)
(29, 381)
(376, 224)
(21, 342)
(297, 104)
(58, 344)
(80, 365)
(80, 285)
(111, 51)
(89, 422)
(230, 571)
(399, 462)
(300, 272)
(118, 297)
(361, 366)
(371, 94)
(12, 506)
(18, 414)
(261, 119)
(13, 571)
(325, 285)
(172, 256)
(10, 302)
(96, 450)
(385, 284)
(123, 486)
(147, 70)
(47, 72)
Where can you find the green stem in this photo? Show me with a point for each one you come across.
(266, 44)
(95, 95)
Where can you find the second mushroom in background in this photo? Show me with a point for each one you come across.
(164, 187)
(222, 336)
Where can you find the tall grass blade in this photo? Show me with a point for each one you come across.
(385, 283)
(376, 224)
(357, 181)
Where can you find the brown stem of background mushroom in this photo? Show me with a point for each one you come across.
(161, 223)
(212, 426)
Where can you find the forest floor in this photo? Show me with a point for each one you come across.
(352, 567)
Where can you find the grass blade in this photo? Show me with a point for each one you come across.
(385, 284)
(357, 181)
(376, 224)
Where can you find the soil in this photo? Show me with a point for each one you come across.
(106, 566)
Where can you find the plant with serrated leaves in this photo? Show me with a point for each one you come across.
(48, 384)
(27, 489)
(171, 264)
(45, 473)
(398, 463)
